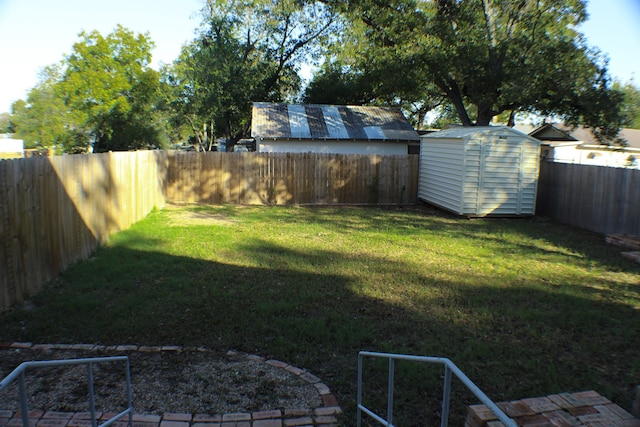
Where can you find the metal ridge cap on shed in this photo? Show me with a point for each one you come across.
(466, 131)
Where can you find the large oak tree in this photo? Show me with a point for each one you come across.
(485, 56)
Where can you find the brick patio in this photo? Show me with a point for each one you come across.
(583, 409)
(319, 417)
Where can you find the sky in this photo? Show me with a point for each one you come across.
(37, 33)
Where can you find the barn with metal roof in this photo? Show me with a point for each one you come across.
(332, 129)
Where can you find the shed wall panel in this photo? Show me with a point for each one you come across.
(441, 178)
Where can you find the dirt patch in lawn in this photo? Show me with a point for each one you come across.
(180, 217)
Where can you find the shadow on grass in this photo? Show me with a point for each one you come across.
(513, 341)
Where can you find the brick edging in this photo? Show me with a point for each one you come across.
(324, 415)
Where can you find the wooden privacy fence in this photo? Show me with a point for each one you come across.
(56, 210)
(291, 178)
(597, 198)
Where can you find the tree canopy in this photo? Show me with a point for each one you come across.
(111, 90)
(631, 104)
(247, 51)
(42, 121)
(484, 57)
(468, 60)
(102, 96)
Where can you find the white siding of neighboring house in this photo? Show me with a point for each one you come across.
(592, 155)
(333, 147)
(11, 148)
(479, 172)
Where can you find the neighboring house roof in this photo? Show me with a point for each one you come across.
(548, 132)
(330, 122)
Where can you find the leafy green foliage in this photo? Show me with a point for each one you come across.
(103, 96)
(491, 55)
(332, 84)
(248, 51)
(43, 120)
(631, 104)
(110, 89)
(6, 124)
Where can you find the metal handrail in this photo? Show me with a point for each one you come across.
(19, 374)
(449, 368)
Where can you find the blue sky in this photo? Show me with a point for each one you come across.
(37, 33)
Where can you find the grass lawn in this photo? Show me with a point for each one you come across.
(525, 308)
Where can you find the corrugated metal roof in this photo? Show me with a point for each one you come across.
(287, 121)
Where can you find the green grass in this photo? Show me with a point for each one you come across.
(525, 308)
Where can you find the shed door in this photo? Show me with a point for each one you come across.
(500, 179)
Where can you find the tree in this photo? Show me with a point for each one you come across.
(334, 83)
(486, 57)
(631, 104)
(43, 120)
(248, 51)
(6, 125)
(111, 92)
(103, 96)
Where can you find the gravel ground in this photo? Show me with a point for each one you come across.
(190, 382)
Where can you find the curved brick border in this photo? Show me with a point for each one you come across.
(323, 416)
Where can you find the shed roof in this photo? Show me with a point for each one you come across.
(338, 122)
(463, 132)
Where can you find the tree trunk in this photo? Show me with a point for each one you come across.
(485, 115)
(453, 93)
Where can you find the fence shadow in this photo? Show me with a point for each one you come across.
(55, 211)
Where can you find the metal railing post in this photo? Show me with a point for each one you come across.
(450, 370)
(446, 397)
(24, 406)
(129, 393)
(18, 375)
(359, 395)
(92, 400)
(390, 393)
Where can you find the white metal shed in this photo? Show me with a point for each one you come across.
(480, 171)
